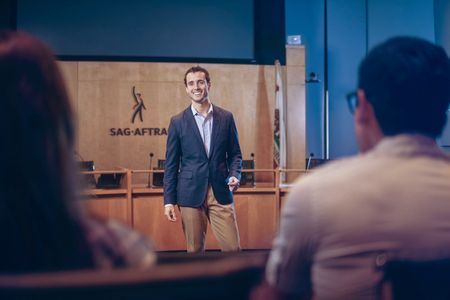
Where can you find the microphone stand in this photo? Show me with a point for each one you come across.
(308, 165)
(150, 174)
(252, 155)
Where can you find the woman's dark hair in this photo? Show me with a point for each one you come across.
(407, 81)
(40, 226)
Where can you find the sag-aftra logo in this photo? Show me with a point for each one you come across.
(138, 108)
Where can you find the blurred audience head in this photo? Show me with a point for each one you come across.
(39, 222)
(406, 81)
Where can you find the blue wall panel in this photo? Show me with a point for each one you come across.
(306, 18)
(346, 48)
(387, 18)
(347, 40)
(442, 23)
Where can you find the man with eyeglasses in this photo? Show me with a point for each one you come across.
(392, 201)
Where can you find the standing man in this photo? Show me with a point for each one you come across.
(203, 167)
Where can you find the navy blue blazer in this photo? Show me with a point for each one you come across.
(188, 170)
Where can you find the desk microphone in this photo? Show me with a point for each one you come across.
(149, 184)
(308, 165)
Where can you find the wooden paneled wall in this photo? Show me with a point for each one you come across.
(296, 109)
(103, 100)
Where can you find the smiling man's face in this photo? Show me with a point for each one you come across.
(197, 87)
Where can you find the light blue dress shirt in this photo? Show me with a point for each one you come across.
(204, 125)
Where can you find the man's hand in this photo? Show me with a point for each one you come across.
(169, 212)
(233, 184)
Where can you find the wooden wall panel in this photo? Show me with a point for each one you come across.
(69, 72)
(257, 219)
(296, 109)
(102, 93)
(149, 219)
(107, 207)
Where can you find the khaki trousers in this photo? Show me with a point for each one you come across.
(223, 224)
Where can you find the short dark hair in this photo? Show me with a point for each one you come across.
(407, 81)
(196, 69)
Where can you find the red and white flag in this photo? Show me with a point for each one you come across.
(279, 132)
